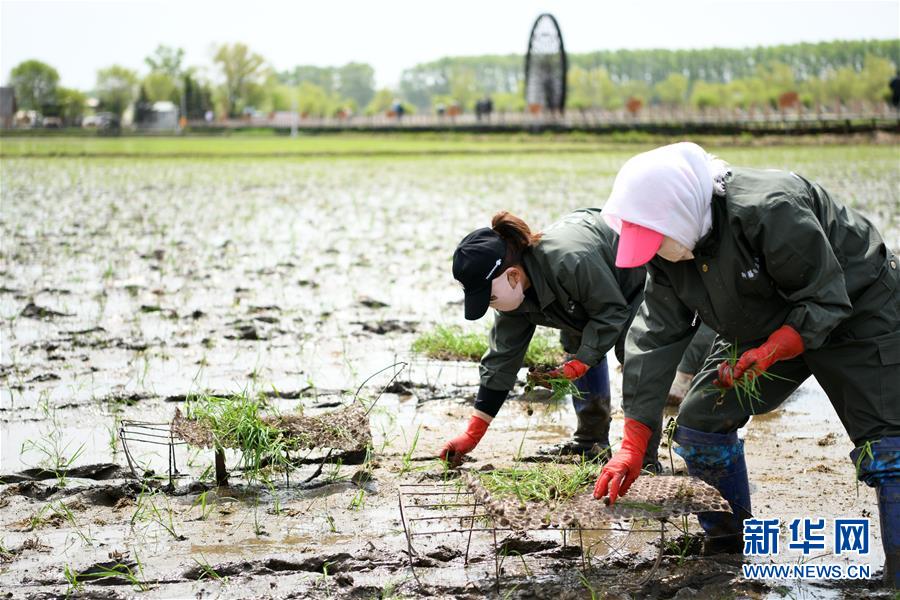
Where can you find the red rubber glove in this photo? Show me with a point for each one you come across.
(784, 343)
(625, 466)
(573, 369)
(466, 442)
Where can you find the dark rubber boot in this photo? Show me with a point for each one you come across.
(878, 466)
(718, 459)
(889, 515)
(592, 409)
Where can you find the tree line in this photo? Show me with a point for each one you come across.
(243, 82)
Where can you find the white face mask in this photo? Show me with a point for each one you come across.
(673, 251)
(506, 297)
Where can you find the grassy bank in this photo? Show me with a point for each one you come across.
(268, 145)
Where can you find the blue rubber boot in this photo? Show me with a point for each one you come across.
(718, 459)
(592, 410)
(880, 469)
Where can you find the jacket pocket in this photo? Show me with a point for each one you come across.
(889, 353)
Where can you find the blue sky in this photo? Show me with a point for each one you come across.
(78, 37)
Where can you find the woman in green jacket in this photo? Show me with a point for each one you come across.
(792, 281)
(562, 278)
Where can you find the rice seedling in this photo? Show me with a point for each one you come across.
(207, 571)
(358, 501)
(37, 519)
(54, 452)
(257, 525)
(544, 483)
(544, 349)
(333, 475)
(77, 579)
(520, 450)
(65, 513)
(560, 387)
(147, 510)
(330, 520)
(235, 423)
(865, 451)
(746, 387)
(75, 584)
(406, 465)
(201, 502)
(451, 342)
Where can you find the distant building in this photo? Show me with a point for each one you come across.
(163, 115)
(7, 107)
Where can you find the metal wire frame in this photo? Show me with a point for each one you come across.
(442, 489)
(159, 434)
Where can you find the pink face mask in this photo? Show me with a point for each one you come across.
(507, 297)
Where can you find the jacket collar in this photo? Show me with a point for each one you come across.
(709, 243)
(545, 295)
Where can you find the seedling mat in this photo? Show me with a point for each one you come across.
(466, 506)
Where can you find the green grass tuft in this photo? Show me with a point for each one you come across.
(451, 342)
(542, 483)
(235, 423)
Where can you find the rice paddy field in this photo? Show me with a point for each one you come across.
(141, 274)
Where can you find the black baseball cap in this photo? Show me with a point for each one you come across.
(476, 262)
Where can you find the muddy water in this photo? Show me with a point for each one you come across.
(128, 285)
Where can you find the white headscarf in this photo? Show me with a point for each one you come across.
(668, 190)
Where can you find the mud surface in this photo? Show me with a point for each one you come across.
(128, 285)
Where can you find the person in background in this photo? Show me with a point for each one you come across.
(794, 283)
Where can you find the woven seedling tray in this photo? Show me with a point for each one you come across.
(650, 497)
(345, 429)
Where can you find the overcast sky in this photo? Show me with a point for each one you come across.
(78, 37)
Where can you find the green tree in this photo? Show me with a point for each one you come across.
(35, 84)
(324, 77)
(197, 97)
(592, 88)
(116, 88)
(279, 97)
(168, 60)
(160, 85)
(244, 74)
(382, 101)
(510, 101)
(581, 94)
(777, 78)
(706, 95)
(874, 78)
(672, 91)
(356, 82)
(842, 85)
(71, 104)
(463, 87)
(314, 100)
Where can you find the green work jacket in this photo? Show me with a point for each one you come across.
(780, 252)
(576, 289)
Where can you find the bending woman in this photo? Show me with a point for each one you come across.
(565, 279)
(801, 284)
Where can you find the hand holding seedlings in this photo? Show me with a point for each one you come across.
(784, 343)
(559, 381)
